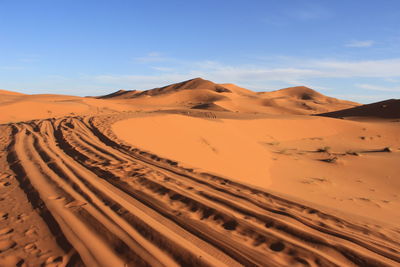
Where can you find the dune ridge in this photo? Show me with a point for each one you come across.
(229, 97)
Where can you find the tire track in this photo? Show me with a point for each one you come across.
(119, 206)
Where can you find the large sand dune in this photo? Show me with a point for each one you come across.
(149, 181)
(195, 92)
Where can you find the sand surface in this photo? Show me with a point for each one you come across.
(150, 181)
(282, 154)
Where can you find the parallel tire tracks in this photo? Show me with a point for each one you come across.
(120, 206)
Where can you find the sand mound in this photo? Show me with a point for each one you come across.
(5, 92)
(209, 106)
(293, 100)
(383, 109)
(238, 90)
(298, 92)
(21, 107)
(120, 94)
(302, 100)
(193, 84)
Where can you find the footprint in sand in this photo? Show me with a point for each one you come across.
(3, 216)
(5, 231)
(11, 260)
(5, 184)
(21, 217)
(53, 261)
(31, 248)
(5, 176)
(6, 244)
(31, 231)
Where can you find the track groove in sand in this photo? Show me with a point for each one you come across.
(118, 205)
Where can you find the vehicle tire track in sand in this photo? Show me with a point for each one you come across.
(119, 206)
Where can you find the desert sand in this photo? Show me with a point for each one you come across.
(198, 174)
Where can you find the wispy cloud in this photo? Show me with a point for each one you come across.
(164, 69)
(366, 43)
(385, 68)
(140, 82)
(361, 98)
(301, 11)
(310, 12)
(379, 88)
(152, 57)
(391, 80)
(348, 76)
(29, 58)
(259, 76)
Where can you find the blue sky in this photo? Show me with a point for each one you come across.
(348, 49)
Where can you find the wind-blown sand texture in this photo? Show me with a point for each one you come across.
(119, 186)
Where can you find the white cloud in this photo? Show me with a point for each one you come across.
(257, 76)
(311, 13)
(361, 98)
(385, 68)
(378, 88)
(139, 82)
(167, 69)
(305, 69)
(391, 80)
(29, 58)
(269, 75)
(366, 43)
(152, 57)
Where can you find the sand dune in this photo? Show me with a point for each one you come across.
(20, 107)
(270, 151)
(195, 174)
(120, 94)
(200, 92)
(384, 109)
(104, 195)
(5, 92)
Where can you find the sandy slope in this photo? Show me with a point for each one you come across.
(218, 146)
(115, 204)
(20, 107)
(194, 92)
(5, 92)
(149, 181)
(281, 154)
(388, 109)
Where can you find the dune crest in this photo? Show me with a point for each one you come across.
(5, 92)
(211, 96)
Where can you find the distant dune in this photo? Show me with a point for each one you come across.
(5, 92)
(198, 174)
(193, 84)
(120, 94)
(303, 100)
(383, 109)
(229, 97)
